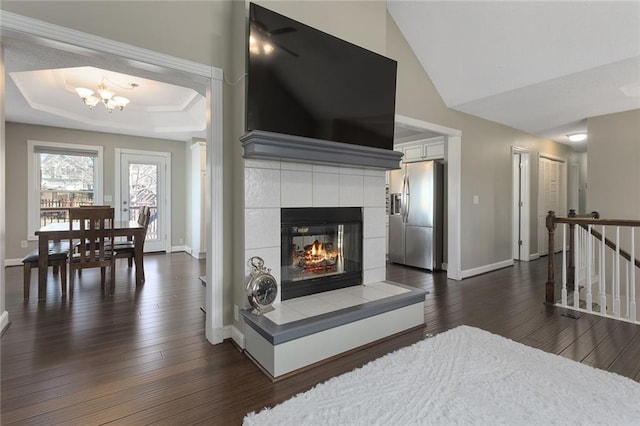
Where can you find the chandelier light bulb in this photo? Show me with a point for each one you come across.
(120, 102)
(83, 92)
(105, 93)
(91, 101)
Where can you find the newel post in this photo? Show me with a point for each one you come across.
(550, 285)
(571, 261)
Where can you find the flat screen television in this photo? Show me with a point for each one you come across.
(304, 82)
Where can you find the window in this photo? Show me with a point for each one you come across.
(61, 176)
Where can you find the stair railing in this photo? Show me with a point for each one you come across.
(587, 256)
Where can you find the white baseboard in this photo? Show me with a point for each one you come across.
(445, 266)
(198, 255)
(236, 335)
(534, 256)
(13, 262)
(175, 249)
(486, 268)
(4, 322)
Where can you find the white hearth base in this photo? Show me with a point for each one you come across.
(285, 348)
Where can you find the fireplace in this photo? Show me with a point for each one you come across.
(321, 250)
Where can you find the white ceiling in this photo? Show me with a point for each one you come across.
(540, 67)
(40, 89)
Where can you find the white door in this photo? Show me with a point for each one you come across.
(144, 180)
(521, 205)
(551, 196)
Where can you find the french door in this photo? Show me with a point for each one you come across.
(145, 181)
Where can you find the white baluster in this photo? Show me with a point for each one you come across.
(588, 272)
(564, 264)
(602, 279)
(632, 296)
(616, 280)
(576, 275)
(626, 293)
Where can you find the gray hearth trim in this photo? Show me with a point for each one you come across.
(277, 334)
(275, 146)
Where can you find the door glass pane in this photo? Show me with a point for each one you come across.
(65, 181)
(143, 191)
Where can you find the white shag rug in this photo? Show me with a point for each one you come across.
(464, 376)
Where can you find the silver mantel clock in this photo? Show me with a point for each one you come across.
(262, 287)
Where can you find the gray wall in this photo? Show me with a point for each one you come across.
(614, 165)
(16, 173)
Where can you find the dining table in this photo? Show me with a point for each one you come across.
(59, 231)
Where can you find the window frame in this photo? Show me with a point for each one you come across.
(33, 178)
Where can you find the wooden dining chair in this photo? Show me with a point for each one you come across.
(127, 248)
(57, 255)
(94, 227)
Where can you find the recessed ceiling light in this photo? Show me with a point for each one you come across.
(577, 137)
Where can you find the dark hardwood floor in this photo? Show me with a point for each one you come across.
(140, 357)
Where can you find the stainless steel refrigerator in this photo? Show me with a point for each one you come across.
(416, 215)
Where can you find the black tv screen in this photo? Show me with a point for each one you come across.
(304, 82)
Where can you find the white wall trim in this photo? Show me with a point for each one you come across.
(12, 262)
(4, 317)
(4, 321)
(147, 59)
(214, 327)
(525, 187)
(534, 256)
(175, 249)
(454, 206)
(86, 43)
(453, 160)
(420, 125)
(486, 268)
(237, 336)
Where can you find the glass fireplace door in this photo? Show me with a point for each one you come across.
(321, 250)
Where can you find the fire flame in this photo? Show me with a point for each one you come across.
(318, 256)
(317, 250)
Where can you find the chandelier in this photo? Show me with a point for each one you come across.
(105, 96)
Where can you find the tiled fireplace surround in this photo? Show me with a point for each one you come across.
(282, 342)
(271, 185)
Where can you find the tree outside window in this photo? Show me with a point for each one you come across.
(65, 181)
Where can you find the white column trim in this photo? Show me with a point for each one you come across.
(454, 203)
(214, 328)
(4, 314)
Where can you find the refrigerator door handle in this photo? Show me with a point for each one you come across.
(404, 198)
(407, 204)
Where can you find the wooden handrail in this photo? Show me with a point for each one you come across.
(583, 221)
(612, 245)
